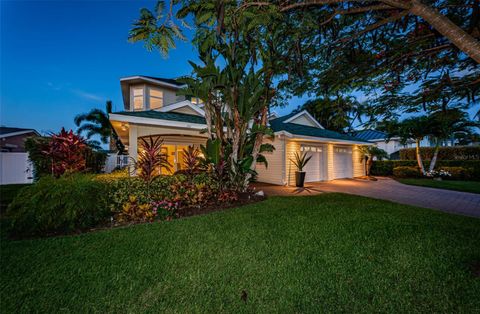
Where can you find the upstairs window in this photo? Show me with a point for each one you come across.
(138, 98)
(197, 101)
(156, 98)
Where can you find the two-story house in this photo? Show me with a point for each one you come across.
(153, 108)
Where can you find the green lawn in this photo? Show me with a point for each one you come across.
(325, 253)
(464, 186)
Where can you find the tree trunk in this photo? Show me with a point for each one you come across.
(257, 145)
(369, 165)
(461, 39)
(208, 119)
(419, 156)
(435, 155)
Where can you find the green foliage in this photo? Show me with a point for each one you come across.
(385, 167)
(351, 254)
(97, 122)
(336, 113)
(35, 146)
(457, 173)
(132, 211)
(61, 205)
(200, 189)
(406, 172)
(300, 160)
(445, 153)
(93, 162)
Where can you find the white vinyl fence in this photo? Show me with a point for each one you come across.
(15, 168)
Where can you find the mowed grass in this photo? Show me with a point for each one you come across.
(325, 253)
(463, 186)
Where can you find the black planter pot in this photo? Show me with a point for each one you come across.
(299, 178)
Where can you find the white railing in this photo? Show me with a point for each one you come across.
(115, 161)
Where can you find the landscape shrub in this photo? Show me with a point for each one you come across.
(42, 150)
(445, 153)
(406, 172)
(385, 167)
(133, 211)
(456, 173)
(62, 205)
(185, 191)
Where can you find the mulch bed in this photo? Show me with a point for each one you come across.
(201, 210)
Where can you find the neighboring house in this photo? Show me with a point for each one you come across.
(393, 145)
(152, 107)
(12, 139)
(15, 167)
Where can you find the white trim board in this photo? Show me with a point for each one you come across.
(157, 122)
(309, 117)
(181, 104)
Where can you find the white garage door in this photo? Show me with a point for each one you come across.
(342, 162)
(314, 167)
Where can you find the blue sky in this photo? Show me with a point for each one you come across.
(61, 58)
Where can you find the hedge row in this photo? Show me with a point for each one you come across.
(445, 153)
(385, 167)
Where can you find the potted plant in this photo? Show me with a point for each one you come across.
(300, 161)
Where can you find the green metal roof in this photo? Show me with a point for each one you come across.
(171, 116)
(278, 125)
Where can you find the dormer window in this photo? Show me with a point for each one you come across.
(156, 98)
(138, 100)
(196, 101)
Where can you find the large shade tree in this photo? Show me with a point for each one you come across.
(401, 60)
(339, 113)
(239, 87)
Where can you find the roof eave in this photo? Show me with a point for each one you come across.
(321, 139)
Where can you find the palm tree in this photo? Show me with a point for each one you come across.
(369, 153)
(446, 123)
(97, 122)
(416, 128)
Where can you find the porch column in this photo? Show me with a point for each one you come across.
(132, 146)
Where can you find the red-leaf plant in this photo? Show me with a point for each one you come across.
(67, 153)
(151, 158)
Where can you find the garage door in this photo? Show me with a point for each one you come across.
(342, 162)
(313, 169)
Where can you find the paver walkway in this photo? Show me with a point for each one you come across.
(388, 189)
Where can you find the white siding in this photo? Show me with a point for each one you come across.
(291, 148)
(358, 164)
(303, 120)
(274, 174)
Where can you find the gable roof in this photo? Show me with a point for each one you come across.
(307, 116)
(369, 135)
(281, 124)
(7, 131)
(182, 104)
(159, 80)
(170, 116)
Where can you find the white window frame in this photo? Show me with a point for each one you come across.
(132, 97)
(150, 96)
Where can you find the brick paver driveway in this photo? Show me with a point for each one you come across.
(391, 190)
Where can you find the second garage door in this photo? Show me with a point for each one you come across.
(342, 162)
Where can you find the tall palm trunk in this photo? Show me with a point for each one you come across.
(257, 144)
(419, 156)
(460, 38)
(435, 155)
